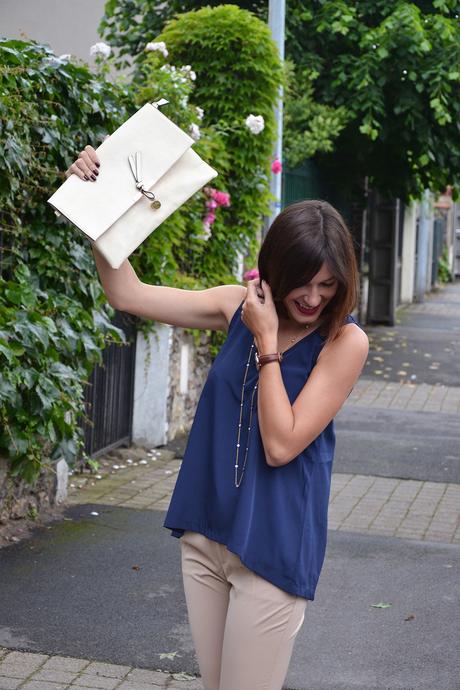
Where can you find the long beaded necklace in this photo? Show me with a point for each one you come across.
(238, 444)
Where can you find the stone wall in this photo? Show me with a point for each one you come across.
(188, 368)
(18, 500)
(178, 369)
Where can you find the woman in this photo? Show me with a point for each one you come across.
(250, 501)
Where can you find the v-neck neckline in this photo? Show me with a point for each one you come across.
(301, 339)
(316, 331)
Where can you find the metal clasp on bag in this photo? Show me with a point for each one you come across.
(135, 163)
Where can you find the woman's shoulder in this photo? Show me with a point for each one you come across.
(352, 337)
(351, 341)
(347, 321)
(351, 325)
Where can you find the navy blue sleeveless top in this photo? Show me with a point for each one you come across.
(276, 521)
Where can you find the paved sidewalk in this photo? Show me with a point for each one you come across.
(421, 397)
(423, 346)
(105, 585)
(108, 574)
(359, 503)
(395, 507)
(28, 671)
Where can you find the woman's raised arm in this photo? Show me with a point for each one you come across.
(209, 309)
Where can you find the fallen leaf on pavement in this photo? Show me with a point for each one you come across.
(168, 655)
(410, 617)
(381, 605)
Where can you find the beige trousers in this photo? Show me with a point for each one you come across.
(243, 626)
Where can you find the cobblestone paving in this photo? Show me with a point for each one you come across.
(436, 308)
(419, 397)
(29, 671)
(395, 507)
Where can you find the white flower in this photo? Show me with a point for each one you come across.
(192, 75)
(199, 112)
(255, 123)
(206, 234)
(159, 45)
(65, 56)
(100, 48)
(194, 131)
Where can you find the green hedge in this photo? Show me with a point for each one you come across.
(237, 72)
(54, 318)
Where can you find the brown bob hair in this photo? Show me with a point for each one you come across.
(303, 237)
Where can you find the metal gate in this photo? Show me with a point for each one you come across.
(300, 183)
(309, 181)
(109, 393)
(384, 236)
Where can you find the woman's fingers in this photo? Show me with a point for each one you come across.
(91, 154)
(91, 168)
(75, 170)
(86, 166)
(255, 291)
(85, 169)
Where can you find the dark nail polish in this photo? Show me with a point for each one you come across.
(86, 177)
(96, 172)
(93, 177)
(98, 165)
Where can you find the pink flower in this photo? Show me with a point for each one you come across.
(276, 166)
(221, 198)
(215, 199)
(251, 274)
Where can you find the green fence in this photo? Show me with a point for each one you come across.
(308, 182)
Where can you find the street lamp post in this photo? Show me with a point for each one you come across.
(421, 271)
(276, 21)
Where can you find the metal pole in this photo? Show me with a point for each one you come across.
(276, 21)
(422, 248)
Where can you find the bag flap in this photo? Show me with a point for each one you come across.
(94, 206)
(188, 175)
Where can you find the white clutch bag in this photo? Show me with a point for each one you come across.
(148, 170)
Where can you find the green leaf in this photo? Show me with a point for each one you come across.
(16, 348)
(381, 605)
(14, 295)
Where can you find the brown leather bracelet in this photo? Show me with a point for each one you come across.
(265, 359)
